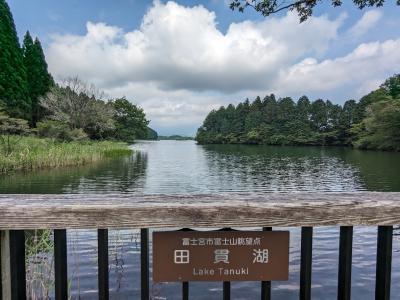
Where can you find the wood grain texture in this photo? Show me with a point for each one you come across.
(217, 210)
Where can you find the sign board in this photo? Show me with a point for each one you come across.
(220, 256)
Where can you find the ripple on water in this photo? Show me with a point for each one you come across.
(169, 167)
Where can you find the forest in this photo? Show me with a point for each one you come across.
(31, 102)
(371, 123)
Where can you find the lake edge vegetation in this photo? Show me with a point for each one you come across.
(33, 153)
(39, 115)
(372, 123)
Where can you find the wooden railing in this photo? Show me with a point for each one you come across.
(103, 212)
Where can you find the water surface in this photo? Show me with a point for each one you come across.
(180, 167)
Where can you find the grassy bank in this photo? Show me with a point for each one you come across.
(30, 153)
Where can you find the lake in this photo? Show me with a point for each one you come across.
(181, 167)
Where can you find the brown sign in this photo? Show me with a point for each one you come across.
(220, 256)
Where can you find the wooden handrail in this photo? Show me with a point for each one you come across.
(219, 210)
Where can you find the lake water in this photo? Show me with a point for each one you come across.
(181, 167)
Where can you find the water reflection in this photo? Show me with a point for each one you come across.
(270, 169)
(114, 175)
(172, 167)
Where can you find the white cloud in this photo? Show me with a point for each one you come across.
(181, 48)
(178, 65)
(367, 21)
(364, 64)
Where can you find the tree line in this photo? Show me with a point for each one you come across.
(32, 102)
(371, 123)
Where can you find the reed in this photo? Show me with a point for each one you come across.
(31, 153)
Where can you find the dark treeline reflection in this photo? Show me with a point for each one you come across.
(113, 175)
(285, 168)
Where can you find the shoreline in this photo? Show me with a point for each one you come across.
(32, 153)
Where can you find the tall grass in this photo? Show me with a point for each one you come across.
(30, 153)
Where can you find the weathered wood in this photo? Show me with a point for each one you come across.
(220, 210)
(5, 265)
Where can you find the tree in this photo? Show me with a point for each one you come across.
(392, 86)
(13, 84)
(151, 134)
(130, 121)
(381, 127)
(304, 8)
(79, 105)
(38, 77)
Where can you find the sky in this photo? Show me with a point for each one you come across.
(180, 59)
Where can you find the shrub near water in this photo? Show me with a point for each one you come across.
(31, 153)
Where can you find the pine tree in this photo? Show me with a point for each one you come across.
(13, 84)
(39, 79)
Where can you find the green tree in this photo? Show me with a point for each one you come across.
(38, 77)
(130, 121)
(319, 115)
(304, 8)
(392, 86)
(151, 134)
(381, 127)
(13, 84)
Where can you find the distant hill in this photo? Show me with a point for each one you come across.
(175, 137)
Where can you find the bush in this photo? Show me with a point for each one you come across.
(60, 131)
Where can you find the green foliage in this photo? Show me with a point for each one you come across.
(79, 105)
(38, 78)
(381, 127)
(392, 86)
(304, 8)
(60, 131)
(130, 121)
(151, 134)
(13, 82)
(373, 123)
(36, 153)
(11, 126)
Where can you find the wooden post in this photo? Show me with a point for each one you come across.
(5, 265)
(13, 275)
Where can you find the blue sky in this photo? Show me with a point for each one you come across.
(186, 59)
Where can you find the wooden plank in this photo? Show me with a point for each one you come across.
(384, 262)
(103, 278)
(345, 260)
(220, 210)
(306, 263)
(60, 265)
